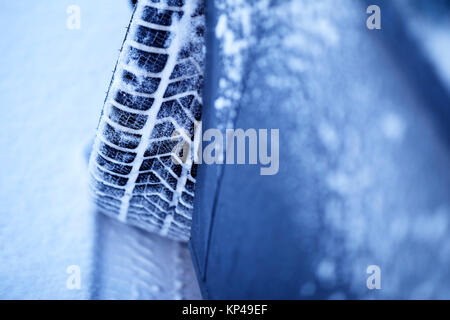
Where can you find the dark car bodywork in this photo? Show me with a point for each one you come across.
(364, 156)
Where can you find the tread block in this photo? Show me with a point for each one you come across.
(144, 84)
(133, 102)
(173, 3)
(162, 130)
(187, 198)
(160, 202)
(160, 147)
(193, 105)
(147, 164)
(113, 167)
(115, 192)
(112, 201)
(111, 178)
(174, 110)
(118, 155)
(193, 171)
(177, 87)
(183, 69)
(190, 185)
(168, 162)
(160, 16)
(147, 177)
(152, 37)
(127, 119)
(148, 61)
(121, 138)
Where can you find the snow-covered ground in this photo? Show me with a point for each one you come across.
(52, 86)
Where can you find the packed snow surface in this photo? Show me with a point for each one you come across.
(52, 83)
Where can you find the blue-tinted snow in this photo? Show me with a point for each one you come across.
(52, 85)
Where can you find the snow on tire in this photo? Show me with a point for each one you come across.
(138, 175)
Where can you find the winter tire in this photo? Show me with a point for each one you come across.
(153, 103)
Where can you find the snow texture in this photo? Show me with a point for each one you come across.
(140, 265)
(52, 84)
(152, 106)
(233, 29)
